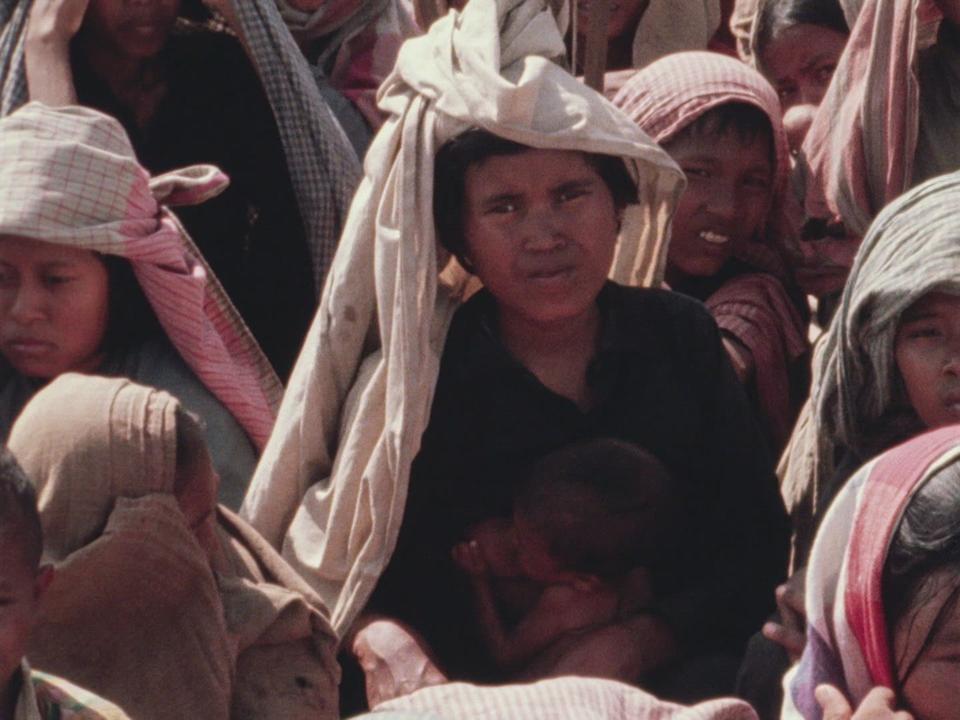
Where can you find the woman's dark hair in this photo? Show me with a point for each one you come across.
(927, 539)
(473, 147)
(130, 319)
(778, 15)
(747, 122)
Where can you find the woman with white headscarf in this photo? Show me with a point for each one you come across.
(527, 177)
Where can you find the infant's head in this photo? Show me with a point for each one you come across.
(599, 508)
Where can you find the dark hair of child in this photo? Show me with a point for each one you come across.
(19, 519)
(745, 121)
(473, 147)
(603, 506)
(778, 15)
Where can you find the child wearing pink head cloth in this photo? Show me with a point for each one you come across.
(721, 121)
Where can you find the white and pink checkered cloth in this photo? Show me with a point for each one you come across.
(70, 176)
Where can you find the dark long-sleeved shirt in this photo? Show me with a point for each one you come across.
(661, 380)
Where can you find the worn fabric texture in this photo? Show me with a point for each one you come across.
(859, 152)
(660, 33)
(848, 644)
(354, 44)
(856, 403)
(323, 166)
(140, 604)
(48, 697)
(665, 98)
(70, 176)
(565, 698)
(332, 484)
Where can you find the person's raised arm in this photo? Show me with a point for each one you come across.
(50, 28)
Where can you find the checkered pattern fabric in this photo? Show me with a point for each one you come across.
(70, 177)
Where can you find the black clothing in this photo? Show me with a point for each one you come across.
(661, 380)
(215, 111)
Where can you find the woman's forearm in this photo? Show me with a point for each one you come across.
(49, 75)
(50, 28)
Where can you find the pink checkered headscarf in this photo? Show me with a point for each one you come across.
(668, 95)
(70, 176)
(848, 644)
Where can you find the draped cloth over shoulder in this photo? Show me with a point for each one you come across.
(70, 176)
(859, 152)
(848, 644)
(144, 609)
(855, 405)
(324, 169)
(663, 99)
(332, 484)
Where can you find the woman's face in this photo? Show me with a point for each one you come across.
(727, 200)
(53, 307)
(927, 353)
(541, 228)
(929, 686)
(136, 29)
(800, 62)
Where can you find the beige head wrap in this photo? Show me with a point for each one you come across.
(139, 611)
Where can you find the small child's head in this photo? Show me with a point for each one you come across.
(597, 509)
(22, 578)
(727, 155)
(721, 121)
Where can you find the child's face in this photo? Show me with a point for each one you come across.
(927, 353)
(20, 589)
(727, 200)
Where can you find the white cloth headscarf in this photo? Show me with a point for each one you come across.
(332, 484)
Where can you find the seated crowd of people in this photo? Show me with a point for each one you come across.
(373, 358)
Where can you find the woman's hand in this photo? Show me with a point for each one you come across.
(394, 660)
(877, 705)
(50, 28)
(791, 632)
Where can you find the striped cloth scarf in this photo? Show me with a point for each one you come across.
(70, 176)
(848, 645)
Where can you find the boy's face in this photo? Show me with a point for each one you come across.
(727, 200)
(21, 587)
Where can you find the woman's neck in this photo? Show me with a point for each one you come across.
(557, 353)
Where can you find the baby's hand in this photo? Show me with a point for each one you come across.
(469, 557)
